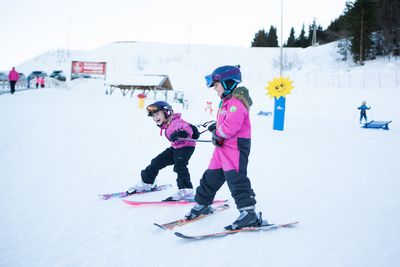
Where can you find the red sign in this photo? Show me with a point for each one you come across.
(81, 67)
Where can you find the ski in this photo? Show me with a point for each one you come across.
(267, 227)
(125, 194)
(166, 203)
(181, 222)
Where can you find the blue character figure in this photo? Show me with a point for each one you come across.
(363, 111)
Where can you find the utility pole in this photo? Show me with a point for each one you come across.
(314, 36)
(280, 102)
(188, 45)
(281, 63)
(69, 37)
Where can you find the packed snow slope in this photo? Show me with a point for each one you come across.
(60, 147)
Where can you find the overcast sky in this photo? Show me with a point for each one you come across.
(29, 28)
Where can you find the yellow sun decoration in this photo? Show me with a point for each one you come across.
(279, 87)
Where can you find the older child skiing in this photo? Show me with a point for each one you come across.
(231, 136)
(178, 154)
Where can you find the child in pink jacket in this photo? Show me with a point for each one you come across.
(178, 154)
(231, 136)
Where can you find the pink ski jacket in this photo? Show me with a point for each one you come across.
(178, 124)
(233, 124)
(13, 75)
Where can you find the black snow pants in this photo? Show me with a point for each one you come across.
(179, 158)
(238, 182)
(12, 86)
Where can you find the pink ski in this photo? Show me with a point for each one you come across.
(166, 203)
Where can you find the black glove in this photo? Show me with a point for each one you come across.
(212, 127)
(196, 133)
(174, 136)
(216, 140)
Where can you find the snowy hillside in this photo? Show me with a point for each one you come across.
(60, 147)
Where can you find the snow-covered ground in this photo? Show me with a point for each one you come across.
(60, 147)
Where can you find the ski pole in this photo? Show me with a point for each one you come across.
(193, 140)
(205, 126)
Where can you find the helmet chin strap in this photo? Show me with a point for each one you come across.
(227, 91)
(167, 119)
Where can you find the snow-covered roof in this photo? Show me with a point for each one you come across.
(146, 81)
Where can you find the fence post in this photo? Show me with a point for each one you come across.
(349, 79)
(379, 79)
(364, 80)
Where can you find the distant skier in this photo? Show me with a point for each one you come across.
(178, 154)
(363, 111)
(208, 108)
(13, 77)
(38, 80)
(42, 82)
(231, 135)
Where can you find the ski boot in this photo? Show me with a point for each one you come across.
(247, 218)
(198, 210)
(182, 194)
(140, 187)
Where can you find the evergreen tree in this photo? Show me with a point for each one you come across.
(291, 42)
(360, 21)
(344, 46)
(272, 39)
(322, 36)
(371, 26)
(260, 39)
(389, 21)
(336, 30)
(302, 40)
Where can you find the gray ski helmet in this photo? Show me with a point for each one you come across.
(157, 106)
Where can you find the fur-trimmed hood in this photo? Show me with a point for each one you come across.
(242, 93)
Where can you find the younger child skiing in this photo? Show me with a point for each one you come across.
(178, 154)
(363, 111)
(231, 136)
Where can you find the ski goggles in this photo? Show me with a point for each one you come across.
(211, 79)
(151, 109)
(233, 74)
